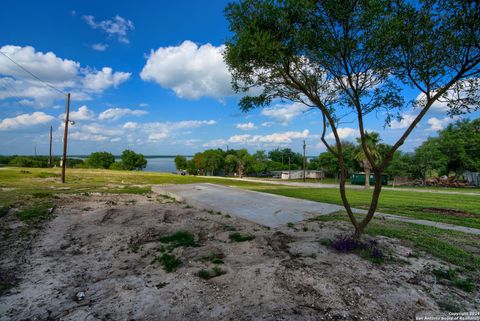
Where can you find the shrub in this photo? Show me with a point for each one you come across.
(169, 262)
(237, 237)
(179, 238)
(133, 161)
(208, 274)
(100, 160)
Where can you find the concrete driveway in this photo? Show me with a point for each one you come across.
(269, 209)
(265, 209)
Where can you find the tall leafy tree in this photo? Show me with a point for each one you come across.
(100, 160)
(355, 56)
(133, 161)
(180, 162)
(372, 140)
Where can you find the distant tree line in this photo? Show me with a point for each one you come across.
(240, 162)
(456, 149)
(36, 161)
(129, 161)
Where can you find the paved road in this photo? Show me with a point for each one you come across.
(329, 185)
(269, 209)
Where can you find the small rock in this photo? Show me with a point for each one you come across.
(80, 296)
(422, 302)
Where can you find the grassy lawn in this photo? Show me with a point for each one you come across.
(32, 191)
(26, 182)
(453, 247)
(404, 203)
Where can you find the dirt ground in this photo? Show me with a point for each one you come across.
(103, 247)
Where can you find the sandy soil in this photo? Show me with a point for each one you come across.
(104, 246)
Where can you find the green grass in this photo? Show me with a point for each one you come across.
(403, 203)
(213, 258)
(178, 239)
(237, 237)
(33, 214)
(465, 284)
(169, 262)
(34, 189)
(457, 248)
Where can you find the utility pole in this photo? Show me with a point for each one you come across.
(65, 137)
(50, 159)
(289, 173)
(304, 161)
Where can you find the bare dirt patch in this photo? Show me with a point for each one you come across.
(97, 260)
(448, 211)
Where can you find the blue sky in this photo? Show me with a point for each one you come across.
(145, 75)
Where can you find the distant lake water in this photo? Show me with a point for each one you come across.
(161, 164)
(164, 164)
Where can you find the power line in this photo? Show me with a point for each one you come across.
(33, 75)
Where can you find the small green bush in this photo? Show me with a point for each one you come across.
(237, 237)
(466, 285)
(169, 262)
(179, 238)
(209, 274)
(214, 258)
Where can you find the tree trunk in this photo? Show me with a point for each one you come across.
(373, 206)
(366, 166)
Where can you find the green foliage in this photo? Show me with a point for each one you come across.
(444, 274)
(237, 237)
(179, 238)
(209, 274)
(286, 156)
(169, 262)
(100, 160)
(180, 162)
(118, 166)
(37, 161)
(466, 285)
(133, 161)
(356, 57)
(214, 258)
(34, 214)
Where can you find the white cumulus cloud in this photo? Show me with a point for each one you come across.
(83, 113)
(275, 138)
(406, 121)
(440, 123)
(64, 74)
(117, 113)
(246, 126)
(344, 133)
(99, 46)
(114, 27)
(285, 113)
(130, 125)
(25, 121)
(191, 71)
(99, 80)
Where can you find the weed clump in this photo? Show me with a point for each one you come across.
(35, 214)
(368, 250)
(169, 262)
(209, 274)
(467, 285)
(237, 237)
(213, 258)
(178, 239)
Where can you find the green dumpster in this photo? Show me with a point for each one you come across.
(359, 179)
